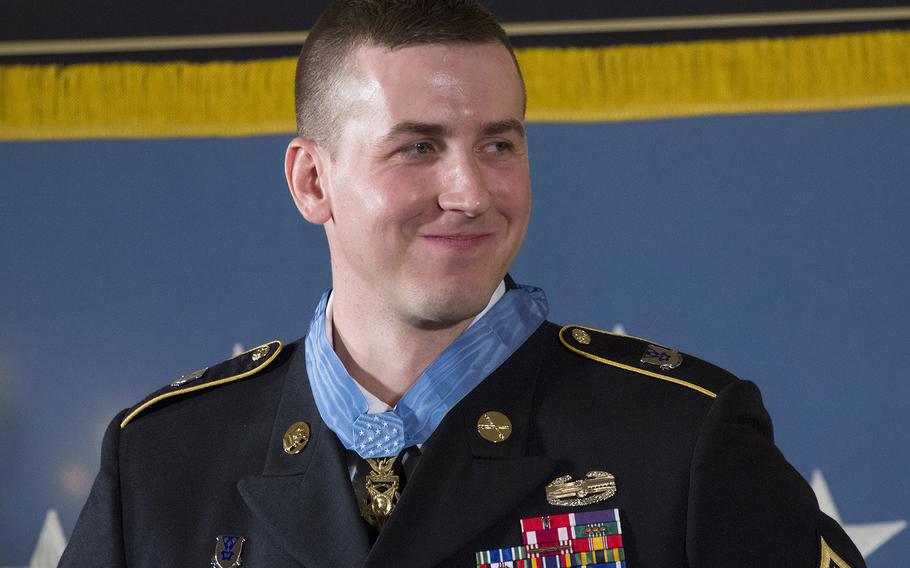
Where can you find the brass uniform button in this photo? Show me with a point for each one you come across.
(581, 336)
(494, 426)
(296, 438)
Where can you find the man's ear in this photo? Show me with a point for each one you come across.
(303, 167)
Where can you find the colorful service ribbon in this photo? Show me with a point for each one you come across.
(590, 538)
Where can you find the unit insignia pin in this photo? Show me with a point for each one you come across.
(259, 353)
(581, 336)
(494, 426)
(228, 550)
(595, 487)
(296, 437)
(662, 357)
(188, 378)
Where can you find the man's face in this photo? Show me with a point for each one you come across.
(428, 180)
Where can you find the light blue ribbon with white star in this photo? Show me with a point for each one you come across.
(477, 352)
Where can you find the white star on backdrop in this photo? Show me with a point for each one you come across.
(868, 537)
(50, 545)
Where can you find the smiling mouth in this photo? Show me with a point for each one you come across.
(458, 242)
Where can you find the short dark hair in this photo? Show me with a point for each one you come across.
(349, 24)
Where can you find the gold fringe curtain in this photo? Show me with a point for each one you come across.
(138, 100)
(718, 77)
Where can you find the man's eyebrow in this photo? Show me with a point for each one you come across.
(439, 131)
(503, 126)
(421, 128)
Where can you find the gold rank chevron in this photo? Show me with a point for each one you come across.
(263, 364)
(617, 364)
(830, 558)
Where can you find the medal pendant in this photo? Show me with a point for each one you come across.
(382, 491)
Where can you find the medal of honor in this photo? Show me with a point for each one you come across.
(382, 491)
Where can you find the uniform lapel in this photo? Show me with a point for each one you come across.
(463, 483)
(306, 500)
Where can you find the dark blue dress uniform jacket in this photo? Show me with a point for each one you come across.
(700, 482)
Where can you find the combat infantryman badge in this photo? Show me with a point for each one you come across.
(596, 487)
(662, 357)
(228, 549)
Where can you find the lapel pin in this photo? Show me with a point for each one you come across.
(296, 438)
(662, 357)
(494, 426)
(597, 486)
(228, 549)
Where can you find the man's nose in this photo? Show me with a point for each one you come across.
(464, 189)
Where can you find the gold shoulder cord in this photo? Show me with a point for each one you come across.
(256, 354)
(584, 337)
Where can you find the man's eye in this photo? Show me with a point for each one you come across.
(498, 147)
(420, 148)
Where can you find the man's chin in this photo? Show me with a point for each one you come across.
(449, 307)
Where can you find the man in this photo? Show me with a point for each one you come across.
(430, 405)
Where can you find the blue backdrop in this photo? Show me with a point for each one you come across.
(775, 246)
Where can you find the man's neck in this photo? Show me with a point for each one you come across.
(385, 356)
